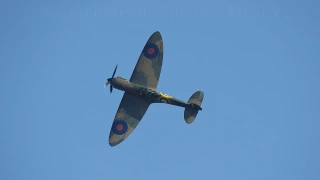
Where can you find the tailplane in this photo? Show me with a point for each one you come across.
(191, 111)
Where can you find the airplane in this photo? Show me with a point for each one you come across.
(140, 92)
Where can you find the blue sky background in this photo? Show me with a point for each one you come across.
(256, 61)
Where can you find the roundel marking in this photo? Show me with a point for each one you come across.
(150, 51)
(164, 98)
(119, 127)
(165, 95)
(164, 101)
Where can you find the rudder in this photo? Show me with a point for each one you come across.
(191, 111)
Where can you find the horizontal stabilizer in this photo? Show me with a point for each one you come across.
(194, 106)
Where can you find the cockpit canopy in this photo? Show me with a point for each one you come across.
(122, 78)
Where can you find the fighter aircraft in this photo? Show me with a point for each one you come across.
(140, 91)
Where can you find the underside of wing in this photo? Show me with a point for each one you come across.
(130, 112)
(148, 68)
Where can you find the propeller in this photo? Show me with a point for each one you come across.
(109, 79)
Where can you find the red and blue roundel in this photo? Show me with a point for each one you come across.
(119, 127)
(150, 50)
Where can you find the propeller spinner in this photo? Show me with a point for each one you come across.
(109, 79)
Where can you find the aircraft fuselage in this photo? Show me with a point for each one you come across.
(150, 95)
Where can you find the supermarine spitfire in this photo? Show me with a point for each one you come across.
(140, 91)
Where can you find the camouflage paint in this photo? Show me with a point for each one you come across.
(148, 68)
(140, 92)
(190, 112)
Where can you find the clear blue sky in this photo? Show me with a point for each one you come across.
(256, 61)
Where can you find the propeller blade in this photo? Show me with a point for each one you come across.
(114, 72)
(111, 87)
(106, 84)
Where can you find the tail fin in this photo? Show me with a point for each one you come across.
(191, 111)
